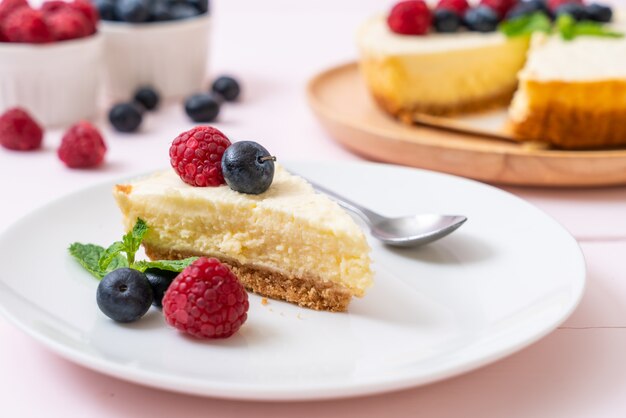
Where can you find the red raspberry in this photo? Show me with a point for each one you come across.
(458, 6)
(196, 156)
(88, 10)
(82, 146)
(52, 6)
(501, 7)
(27, 25)
(67, 24)
(9, 6)
(555, 4)
(18, 131)
(410, 17)
(206, 300)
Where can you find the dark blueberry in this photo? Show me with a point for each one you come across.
(126, 117)
(201, 5)
(445, 20)
(159, 280)
(124, 295)
(134, 11)
(575, 10)
(183, 11)
(227, 87)
(147, 97)
(537, 5)
(526, 8)
(202, 107)
(248, 167)
(599, 13)
(106, 9)
(481, 19)
(160, 11)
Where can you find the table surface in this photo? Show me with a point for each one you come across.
(274, 47)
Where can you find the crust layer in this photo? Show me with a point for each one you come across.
(308, 292)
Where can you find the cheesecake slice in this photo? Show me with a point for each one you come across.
(439, 73)
(287, 243)
(572, 94)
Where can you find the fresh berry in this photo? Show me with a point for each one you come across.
(82, 146)
(226, 87)
(147, 97)
(599, 13)
(481, 19)
(201, 5)
(106, 9)
(575, 10)
(458, 6)
(410, 17)
(67, 24)
(134, 11)
(183, 11)
(248, 167)
(18, 131)
(446, 20)
(126, 117)
(501, 7)
(124, 295)
(526, 8)
(159, 280)
(9, 6)
(52, 6)
(160, 11)
(87, 9)
(206, 300)
(196, 155)
(202, 107)
(27, 25)
(555, 4)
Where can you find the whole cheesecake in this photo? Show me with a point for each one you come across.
(288, 243)
(439, 73)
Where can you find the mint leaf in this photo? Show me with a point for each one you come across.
(132, 240)
(170, 265)
(569, 28)
(110, 254)
(565, 26)
(89, 255)
(526, 25)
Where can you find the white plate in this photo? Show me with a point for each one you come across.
(506, 278)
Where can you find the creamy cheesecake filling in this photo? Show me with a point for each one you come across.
(288, 229)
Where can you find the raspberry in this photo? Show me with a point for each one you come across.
(53, 6)
(27, 25)
(82, 146)
(87, 9)
(196, 155)
(555, 4)
(501, 7)
(18, 131)
(67, 24)
(206, 300)
(9, 6)
(410, 17)
(458, 6)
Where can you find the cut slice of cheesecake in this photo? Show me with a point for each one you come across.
(572, 94)
(439, 73)
(288, 243)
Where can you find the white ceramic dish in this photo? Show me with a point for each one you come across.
(171, 56)
(57, 83)
(486, 291)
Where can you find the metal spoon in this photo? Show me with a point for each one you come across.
(406, 231)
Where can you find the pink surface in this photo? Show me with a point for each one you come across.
(274, 46)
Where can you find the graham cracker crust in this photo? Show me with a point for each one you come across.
(307, 292)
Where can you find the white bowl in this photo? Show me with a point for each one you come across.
(170, 56)
(58, 83)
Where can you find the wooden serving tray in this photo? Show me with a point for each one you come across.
(470, 146)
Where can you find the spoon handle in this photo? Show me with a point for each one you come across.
(367, 215)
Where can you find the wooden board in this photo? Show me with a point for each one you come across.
(466, 146)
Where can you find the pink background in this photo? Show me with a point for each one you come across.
(273, 47)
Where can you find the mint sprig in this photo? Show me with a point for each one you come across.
(100, 261)
(526, 25)
(569, 28)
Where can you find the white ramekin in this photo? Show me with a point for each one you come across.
(58, 83)
(170, 56)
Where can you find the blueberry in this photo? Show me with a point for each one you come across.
(248, 167)
(481, 19)
(134, 11)
(599, 13)
(183, 11)
(160, 11)
(201, 5)
(147, 97)
(159, 280)
(575, 10)
(445, 20)
(126, 117)
(106, 9)
(202, 107)
(526, 8)
(124, 295)
(227, 87)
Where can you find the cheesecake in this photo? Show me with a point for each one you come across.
(288, 243)
(439, 73)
